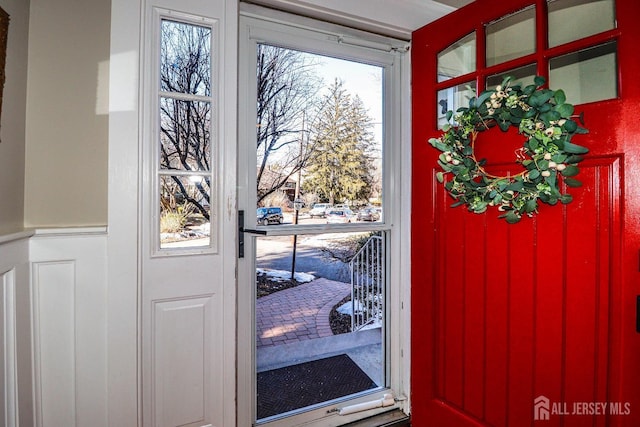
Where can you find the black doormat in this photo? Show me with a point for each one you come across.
(296, 386)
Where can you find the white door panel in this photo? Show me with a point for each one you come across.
(182, 338)
(187, 293)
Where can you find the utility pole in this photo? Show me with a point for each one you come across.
(297, 203)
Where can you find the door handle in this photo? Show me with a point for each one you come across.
(242, 230)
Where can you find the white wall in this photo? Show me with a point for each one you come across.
(67, 113)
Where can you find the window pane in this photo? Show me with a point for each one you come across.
(588, 75)
(574, 19)
(318, 333)
(185, 58)
(511, 37)
(319, 134)
(453, 98)
(458, 59)
(184, 211)
(185, 135)
(523, 75)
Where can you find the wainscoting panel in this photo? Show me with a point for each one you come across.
(69, 292)
(16, 397)
(53, 293)
(9, 370)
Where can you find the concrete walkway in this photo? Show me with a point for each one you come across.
(298, 314)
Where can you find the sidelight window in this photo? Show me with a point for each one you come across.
(185, 132)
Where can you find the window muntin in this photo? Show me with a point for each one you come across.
(571, 20)
(185, 136)
(511, 37)
(458, 59)
(588, 75)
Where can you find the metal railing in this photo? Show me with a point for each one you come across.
(367, 284)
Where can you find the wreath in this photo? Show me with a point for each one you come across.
(548, 156)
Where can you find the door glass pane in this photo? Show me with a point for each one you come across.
(458, 59)
(319, 333)
(184, 211)
(522, 75)
(319, 136)
(588, 75)
(185, 135)
(574, 19)
(319, 163)
(511, 37)
(453, 98)
(185, 58)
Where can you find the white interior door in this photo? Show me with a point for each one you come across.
(187, 245)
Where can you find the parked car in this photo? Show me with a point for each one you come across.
(269, 215)
(368, 214)
(339, 216)
(319, 210)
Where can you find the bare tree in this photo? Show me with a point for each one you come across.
(287, 88)
(185, 124)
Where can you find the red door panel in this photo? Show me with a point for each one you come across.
(505, 313)
(523, 309)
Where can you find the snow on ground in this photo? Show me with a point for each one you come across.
(346, 308)
(321, 240)
(281, 275)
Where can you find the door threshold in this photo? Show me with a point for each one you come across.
(395, 418)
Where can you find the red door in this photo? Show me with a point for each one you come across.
(514, 322)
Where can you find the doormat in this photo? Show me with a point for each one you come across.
(297, 386)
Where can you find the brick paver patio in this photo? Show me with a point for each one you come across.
(299, 313)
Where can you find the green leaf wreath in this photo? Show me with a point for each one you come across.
(548, 156)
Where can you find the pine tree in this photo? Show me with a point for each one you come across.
(341, 167)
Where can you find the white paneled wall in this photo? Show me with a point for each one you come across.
(53, 325)
(15, 331)
(15, 325)
(8, 309)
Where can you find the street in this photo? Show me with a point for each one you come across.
(319, 255)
